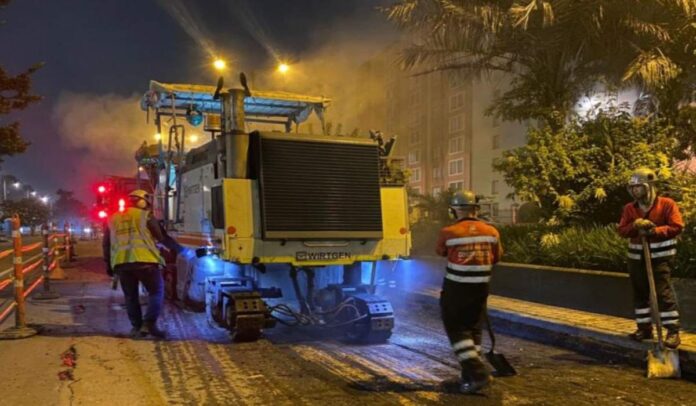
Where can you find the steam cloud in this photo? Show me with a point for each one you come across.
(107, 128)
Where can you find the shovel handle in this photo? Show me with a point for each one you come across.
(654, 309)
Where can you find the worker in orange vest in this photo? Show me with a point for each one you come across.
(658, 219)
(472, 247)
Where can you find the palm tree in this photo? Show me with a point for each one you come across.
(556, 50)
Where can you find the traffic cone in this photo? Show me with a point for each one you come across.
(57, 273)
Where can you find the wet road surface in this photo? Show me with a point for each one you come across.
(199, 365)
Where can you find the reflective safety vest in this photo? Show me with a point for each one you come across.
(131, 241)
(668, 225)
(472, 247)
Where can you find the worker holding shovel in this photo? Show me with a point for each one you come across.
(652, 222)
(472, 247)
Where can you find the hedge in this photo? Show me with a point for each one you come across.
(588, 247)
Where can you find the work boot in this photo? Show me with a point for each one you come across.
(641, 334)
(474, 386)
(136, 333)
(150, 328)
(475, 376)
(672, 340)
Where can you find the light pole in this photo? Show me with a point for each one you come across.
(15, 183)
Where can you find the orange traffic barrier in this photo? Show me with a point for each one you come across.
(49, 252)
(20, 329)
(31, 247)
(67, 242)
(48, 259)
(56, 272)
(6, 253)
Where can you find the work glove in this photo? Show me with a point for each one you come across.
(645, 227)
(643, 224)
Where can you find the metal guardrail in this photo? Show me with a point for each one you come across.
(54, 248)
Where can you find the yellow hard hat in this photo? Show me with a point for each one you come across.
(464, 198)
(642, 176)
(139, 194)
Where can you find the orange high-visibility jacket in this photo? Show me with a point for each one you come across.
(668, 221)
(471, 247)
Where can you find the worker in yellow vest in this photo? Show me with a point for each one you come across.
(131, 252)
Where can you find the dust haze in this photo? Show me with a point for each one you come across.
(107, 129)
(348, 62)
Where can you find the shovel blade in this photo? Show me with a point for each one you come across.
(501, 365)
(663, 363)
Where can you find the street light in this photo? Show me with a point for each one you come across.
(158, 136)
(33, 193)
(16, 185)
(219, 64)
(44, 199)
(193, 138)
(283, 68)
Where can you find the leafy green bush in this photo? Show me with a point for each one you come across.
(685, 265)
(591, 247)
(578, 174)
(530, 212)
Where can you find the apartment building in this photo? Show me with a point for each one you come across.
(445, 137)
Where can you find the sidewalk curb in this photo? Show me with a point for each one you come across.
(613, 346)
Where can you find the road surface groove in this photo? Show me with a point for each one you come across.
(199, 365)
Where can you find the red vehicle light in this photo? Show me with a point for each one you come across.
(121, 205)
(102, 214)
(101, 189)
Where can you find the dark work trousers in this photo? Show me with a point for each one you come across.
(463, 307)
(666, 301)
(150, 275)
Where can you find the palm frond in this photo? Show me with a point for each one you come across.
(652, 68)
(653, 30)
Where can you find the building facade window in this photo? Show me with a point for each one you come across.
(456, 167)
(455, 185)
(456, 101)
(414, 157)
(456, 145)
(456, 124)
(437, 172)
(437, 190)
(415, 175)
(496, 141)
(416, 190)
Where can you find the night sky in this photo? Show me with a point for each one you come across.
(96, 47)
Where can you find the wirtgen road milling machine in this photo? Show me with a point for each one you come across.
(257, 206)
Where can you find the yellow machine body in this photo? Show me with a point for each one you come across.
(242, 242)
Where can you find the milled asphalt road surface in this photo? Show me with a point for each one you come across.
(199, 365)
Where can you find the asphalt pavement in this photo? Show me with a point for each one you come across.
(200, 365)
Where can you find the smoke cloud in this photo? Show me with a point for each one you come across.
(106, 129)
(350, 64)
